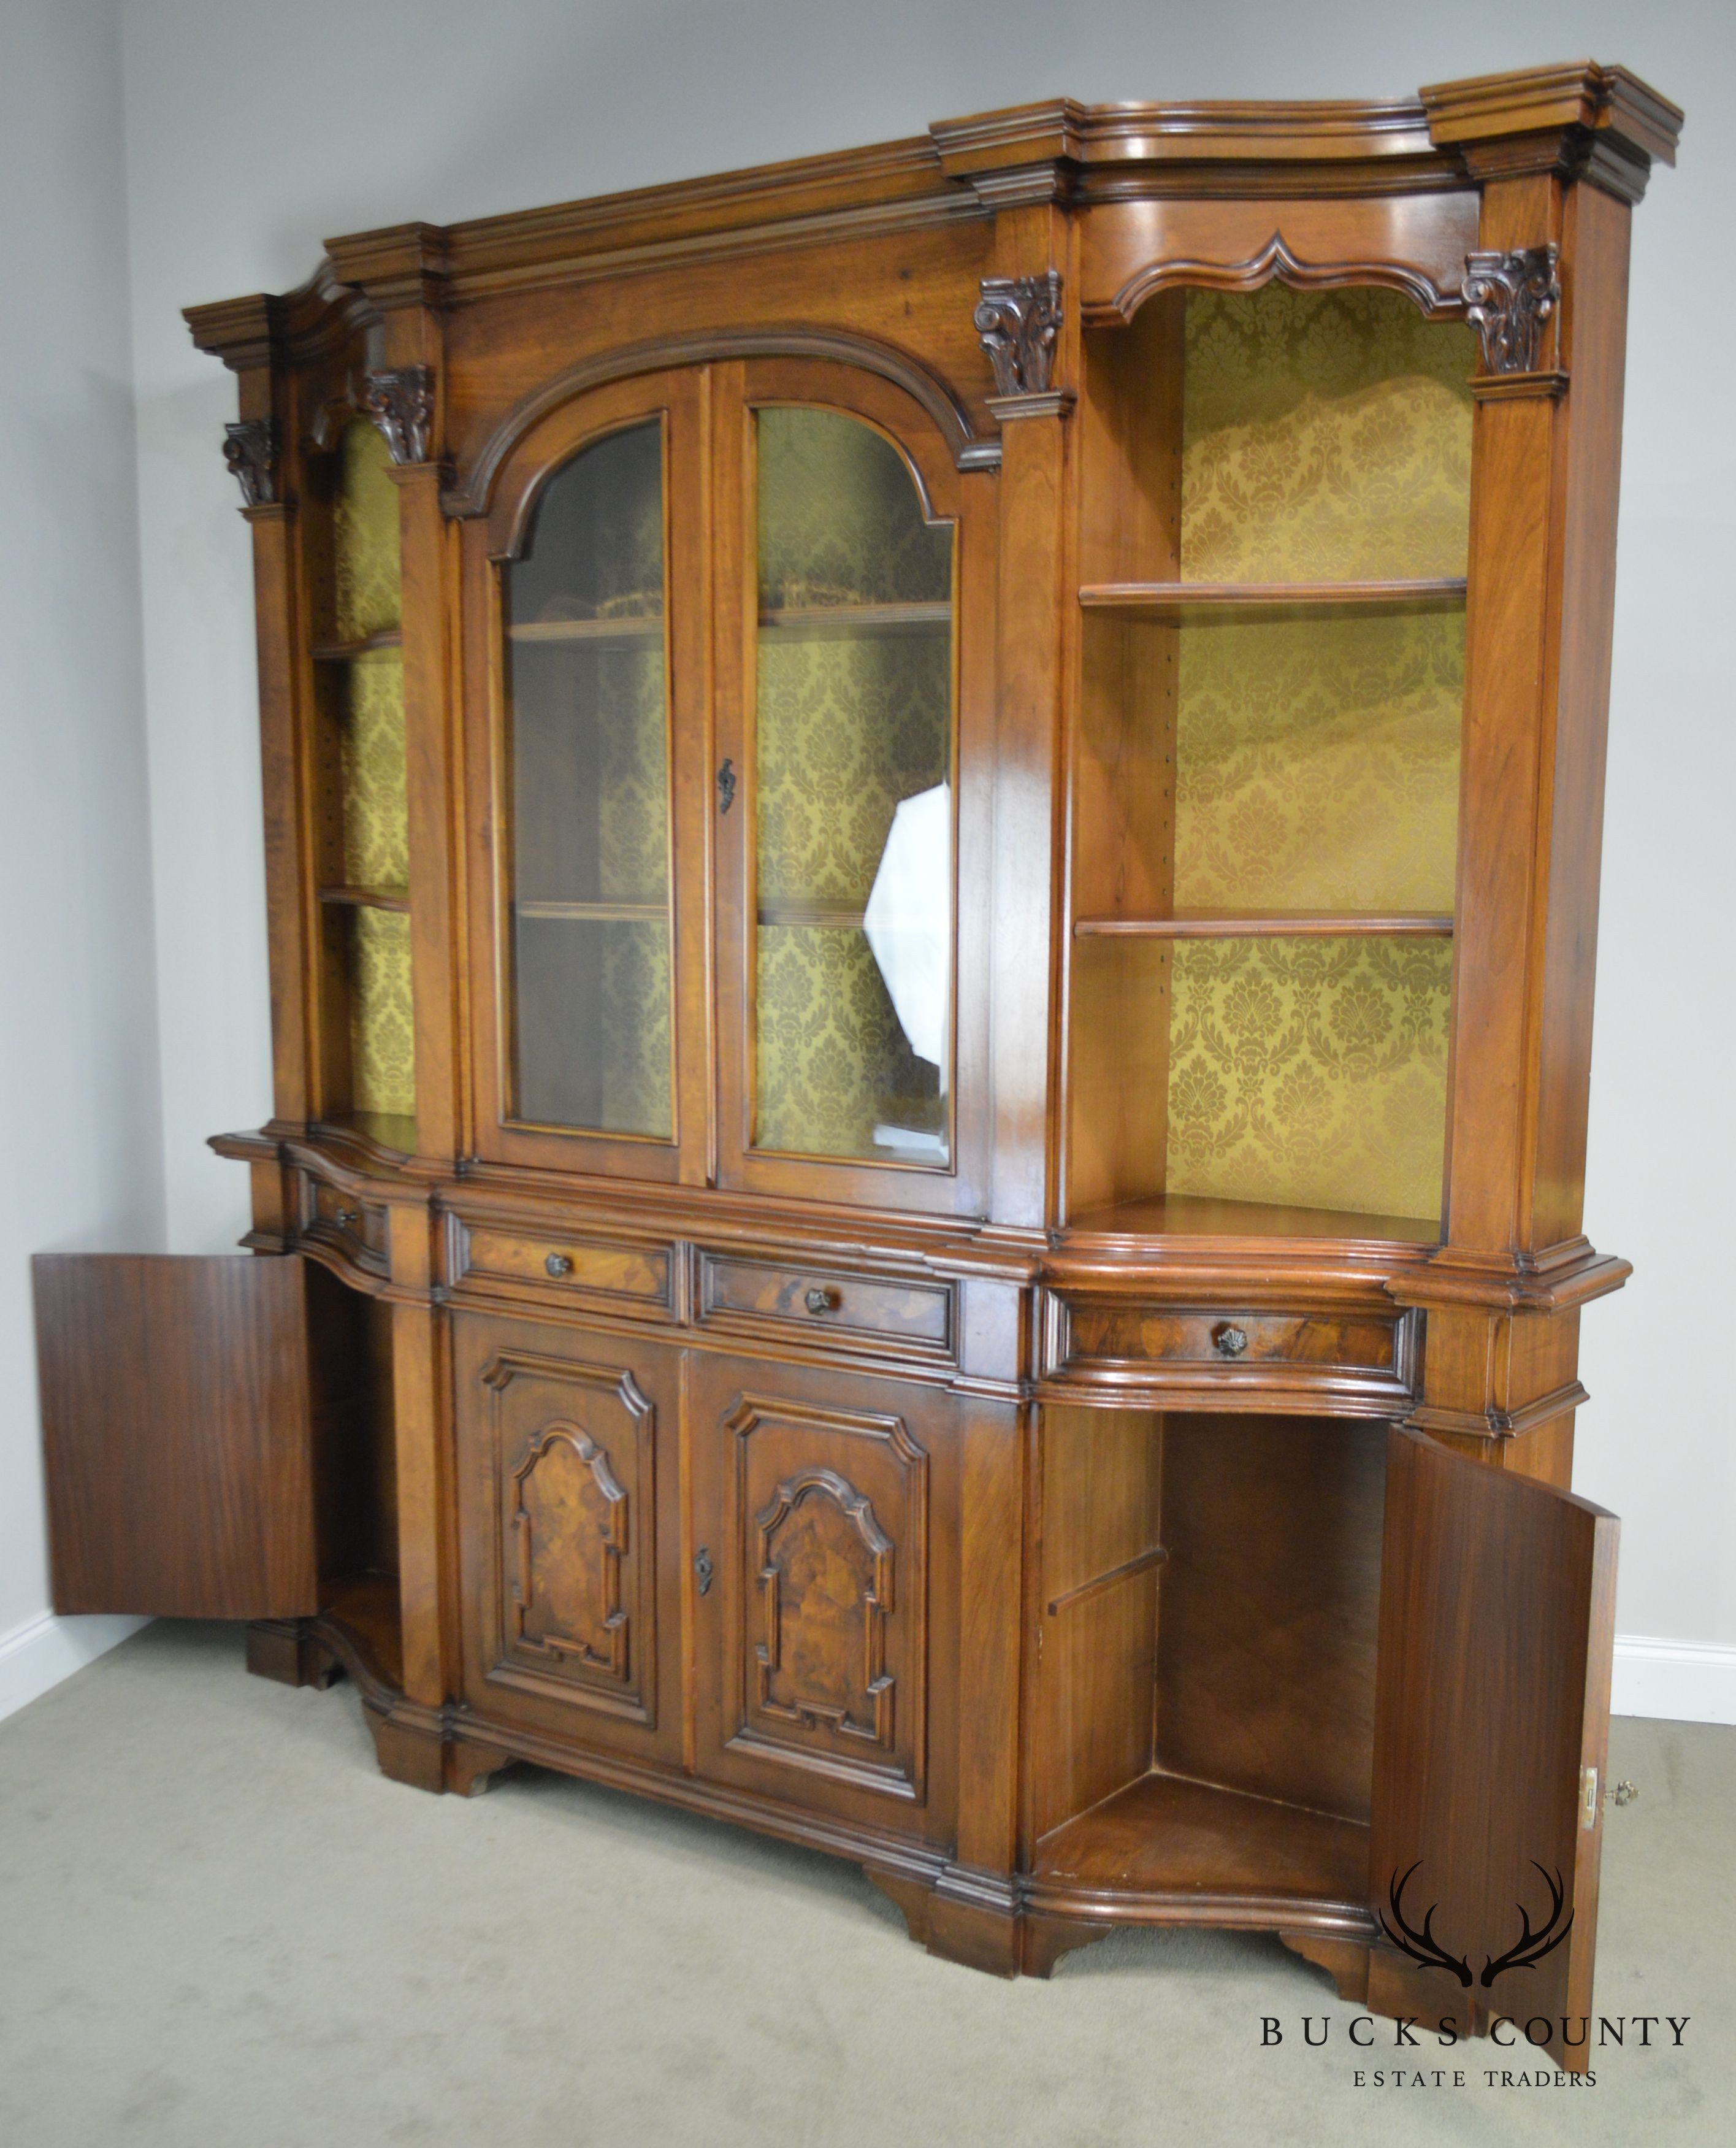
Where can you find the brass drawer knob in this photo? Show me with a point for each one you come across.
(346, 1219)
(819, 1299)
(558, 1265)
(1231, 1342)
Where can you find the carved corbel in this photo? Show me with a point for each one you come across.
(250, 450)
(1018, 318)
(1507, 298)
(400, 401)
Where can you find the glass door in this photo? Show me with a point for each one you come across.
(838, 802)
(595, 961)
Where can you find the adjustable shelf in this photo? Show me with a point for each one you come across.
(349, 652)
(835, 622)
(641, 626)
(600, 913)
(837, 916)
(1269, 924)
(1208, 1216)
(367, 898)
(1176, 601)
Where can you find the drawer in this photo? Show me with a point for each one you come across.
(759, 1298)
(494, 1258)
(1312, 1357)
(354, 1228)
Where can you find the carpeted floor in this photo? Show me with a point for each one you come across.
(221, 1928)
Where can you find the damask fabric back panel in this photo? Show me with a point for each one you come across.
(367, 588)
(1310, 1073)
(1326, 437)
(854, 719)
(383, 1035)
(1317, 763)
(376, 806)
(366, 572)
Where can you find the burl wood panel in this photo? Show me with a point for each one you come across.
(756, 1293)
(1269, 1606)
(1496, 1611)
(828, 1507)
(1105, 1333)
(565, 1441)
(177, 1434)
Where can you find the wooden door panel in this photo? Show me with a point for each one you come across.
(1492, 1719)
(177, 1434)
(563, 1437)
(816, 1498)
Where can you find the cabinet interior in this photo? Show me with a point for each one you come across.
(1266, 767)
(1208, 1614)
(355, 1471)
(360, 832)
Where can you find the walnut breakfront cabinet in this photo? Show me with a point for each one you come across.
(932, 830)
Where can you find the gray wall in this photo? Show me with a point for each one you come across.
(81, 1159)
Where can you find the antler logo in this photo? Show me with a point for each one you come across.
(1525, 1951)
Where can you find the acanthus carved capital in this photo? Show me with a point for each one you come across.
(1507, 298)
(1019, 318)
(400, 401)
(250, 450)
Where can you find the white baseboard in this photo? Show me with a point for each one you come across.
(46, 1649)
(1683, 1681)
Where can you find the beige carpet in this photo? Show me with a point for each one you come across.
(219, 1925)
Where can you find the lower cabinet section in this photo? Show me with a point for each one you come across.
(570, 1532)
(829, 1584)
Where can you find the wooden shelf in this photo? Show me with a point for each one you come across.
(838, 622)
(370, 645)
(1202, 1216)
(1269, 600)
(641, 626)
(1166, 1834)
(595, 913)
(367, 898)
(393, 1132)
(1269, 924)
(814, 916)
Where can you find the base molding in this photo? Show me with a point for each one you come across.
(37, 1655)
(1679, 1681)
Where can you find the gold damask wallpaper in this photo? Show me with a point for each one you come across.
(848, 725)
(382, 1035)
(376, 827)
(1310, 1073)
(1317, 763)
(1326, 437)
(376, 809)
(366, 571)
(839, 519)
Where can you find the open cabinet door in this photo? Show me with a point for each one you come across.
(177, 1434)
(1491, 1717)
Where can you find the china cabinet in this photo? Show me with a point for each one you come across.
(932, 824)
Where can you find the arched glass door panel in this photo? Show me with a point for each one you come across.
(587, 740)
(853, 964)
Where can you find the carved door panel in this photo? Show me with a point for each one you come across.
(825, 1557)
(179, 1406)
(565, 1444)
(1492, 1718)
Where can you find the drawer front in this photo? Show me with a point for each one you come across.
(1310, 1357)
(757, 1297)
(493, 1260)
(354, 1228)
